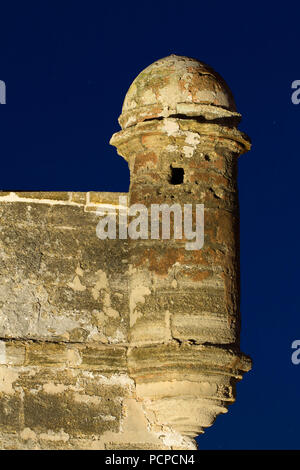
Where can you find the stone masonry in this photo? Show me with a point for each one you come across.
(128, 344)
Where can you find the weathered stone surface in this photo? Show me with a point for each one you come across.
(56, 280)
(177, 85)
(128, 344)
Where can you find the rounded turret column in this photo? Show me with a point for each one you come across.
(180, 138)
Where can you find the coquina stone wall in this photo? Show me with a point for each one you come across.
(127, 344)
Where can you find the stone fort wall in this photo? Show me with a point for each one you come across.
(127, 344)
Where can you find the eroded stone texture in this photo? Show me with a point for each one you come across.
(59, 281)
(127, 344)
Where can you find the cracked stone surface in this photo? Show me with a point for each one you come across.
(128, 344)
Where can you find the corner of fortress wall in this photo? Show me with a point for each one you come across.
(128, 344)
(64, 378)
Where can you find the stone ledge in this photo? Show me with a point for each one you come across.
(73, 355)
(174, 360)
(86, 199)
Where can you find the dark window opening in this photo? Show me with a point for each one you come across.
(177, 175)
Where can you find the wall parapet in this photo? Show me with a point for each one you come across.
(90, 200)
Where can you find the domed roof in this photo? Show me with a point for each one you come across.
(177, 85)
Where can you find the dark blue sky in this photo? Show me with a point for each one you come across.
(67, 66)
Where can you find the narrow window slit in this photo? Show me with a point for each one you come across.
(177, 175)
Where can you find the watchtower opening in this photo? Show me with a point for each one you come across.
(177, 175)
